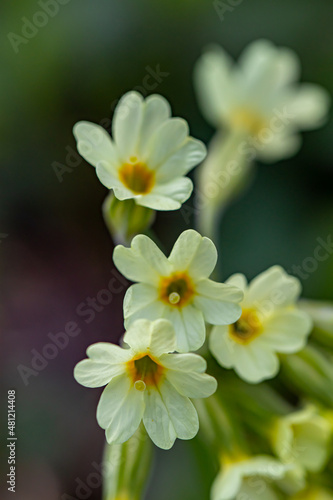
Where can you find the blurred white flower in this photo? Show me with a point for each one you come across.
(248, 478)
(148, 156)
(146, 383)
(313, 493)
(260, 98)
(177, 288)
(302, 438)
(270, 323)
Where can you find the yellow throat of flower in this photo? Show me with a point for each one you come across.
(247, 328)
(247, 120)
(144, 371)
(177, 289)
(137, 177)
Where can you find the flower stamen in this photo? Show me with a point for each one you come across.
(176, 289)
(246, 328)
(137, 177)
(144, 371)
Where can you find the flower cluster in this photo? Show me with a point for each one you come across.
(174, 308)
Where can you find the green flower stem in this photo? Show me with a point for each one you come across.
(216, 427)
(223, 175)
(310, 373)
(128, 466)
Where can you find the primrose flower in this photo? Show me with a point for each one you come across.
(248, 478)
(302, 438)
(148, 156)
(259, 98)
(146, 383)
(177, 288)
(270, 323)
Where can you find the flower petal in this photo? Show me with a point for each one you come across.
(189, 326)
(168, 196)
(238, 280)
(169, 415)
(195, 253)
(308, 105)
(227, 484)
(106, 361)
(120, 409)
(156, 110)
(218, 302)
(188, 362)
(279, 146)
(126, 124)
(138, 335)
(96, 374)
(222, 346)
(167, 139)
(163, 337)
(272, 289)
(190, 153)
(286, 331)
(95, 145)
(214, 84)
(144, 261)
(255, 363)
(138, 297)
(192, 384)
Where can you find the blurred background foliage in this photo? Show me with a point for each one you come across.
(57, 251)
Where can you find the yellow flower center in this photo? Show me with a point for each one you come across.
(247, 328)
(137, 177)
(176, 290)
(248, 120)
(144, 371)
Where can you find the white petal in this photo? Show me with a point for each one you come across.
(156, 110)
(226, 485)
(254, 363)
(266, 68)
(308, 105)
(166, 140)
(286, 331)
(218, 302)
(138, 335)
(189, 326)
(106, 361)
(120, 410)
(195, 253)
(279, 146)
(169, 415)
(272, 289)
(138, 297)
(95, 145)
(109, 178)
(184, 362)
(238, 280)
(168, 196)
(107, 353)
(96, 374)
(163, 338)
(190, 153)
(214, 84)
(157, 420)
(192, 384)
(222, 346)
(126, 124)
(144, 261)
(152, 311)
